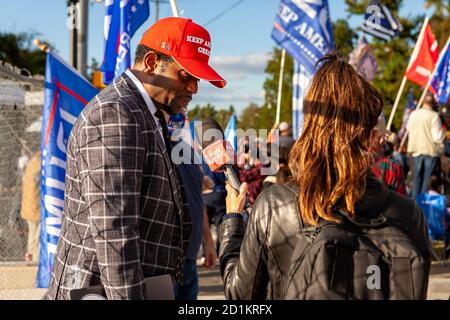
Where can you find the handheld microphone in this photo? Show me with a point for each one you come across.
(218, 153)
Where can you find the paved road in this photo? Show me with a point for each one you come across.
(210, 284)
(16, 283)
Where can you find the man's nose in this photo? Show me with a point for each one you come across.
(192, 86)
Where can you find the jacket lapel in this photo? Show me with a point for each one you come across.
(173, 177)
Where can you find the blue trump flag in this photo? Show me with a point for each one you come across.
(122, 19)
(66, 94)
(230, 132)
(441, 80)
(303, 28)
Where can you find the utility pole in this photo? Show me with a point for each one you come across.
(72, 23)
(83, 7)
(156, 10)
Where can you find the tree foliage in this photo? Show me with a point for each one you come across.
(18, 50)
(222, 116)
(392, 58)
(440, 21)
(271, 88)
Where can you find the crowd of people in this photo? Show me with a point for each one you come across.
(417, 169)
(337, 201)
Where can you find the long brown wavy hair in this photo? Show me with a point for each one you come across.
(331, 159)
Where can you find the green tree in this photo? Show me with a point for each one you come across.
(344, 37)
(18, 50)
(440, 21)
(271, 87)
(222, 116)
(256, 117)
(392, 56)
(360, 6)
(200, 113)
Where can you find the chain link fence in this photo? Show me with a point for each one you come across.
(21, 101)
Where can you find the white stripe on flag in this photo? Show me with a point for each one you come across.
(378, 27)
(390, 18)
(301, 81)
(376, 34)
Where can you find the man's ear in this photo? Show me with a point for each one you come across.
(150, 62)
(373, 140)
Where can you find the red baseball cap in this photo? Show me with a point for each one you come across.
(187, 43)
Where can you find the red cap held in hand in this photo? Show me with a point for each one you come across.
(187, 43)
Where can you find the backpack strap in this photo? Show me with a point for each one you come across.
(308, 232)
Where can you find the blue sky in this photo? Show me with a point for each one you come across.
(241, 38)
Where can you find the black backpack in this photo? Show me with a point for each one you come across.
(358, 259)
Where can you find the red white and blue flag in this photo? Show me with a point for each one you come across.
(303, 28)
(122, 19)
(441, 79)
(66, 94)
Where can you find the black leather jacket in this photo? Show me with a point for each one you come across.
(255, 259)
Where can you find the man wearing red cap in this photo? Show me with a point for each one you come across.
(124, 211)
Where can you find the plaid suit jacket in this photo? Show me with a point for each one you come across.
(124, 208)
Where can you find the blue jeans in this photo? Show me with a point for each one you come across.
(189, 289)
(423, 169)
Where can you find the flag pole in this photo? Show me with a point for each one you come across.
(397, 100)
(430, 80)
(402, 86)
(173, 5)
(424, 94)
(280, 86)
(38, 43)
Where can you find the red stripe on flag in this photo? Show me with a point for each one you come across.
(59, 85)
(73, 94)
(52, 116)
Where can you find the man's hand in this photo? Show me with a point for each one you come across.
(235, 202)
(209, 253)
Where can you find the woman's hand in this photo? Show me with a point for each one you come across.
(236, 202)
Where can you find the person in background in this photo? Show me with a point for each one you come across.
(192, 180)
(285, 139)
(30, 207)
(251, 174)
(214, 195)
(435, 207)
(425, 143)
(331, 173)
(384, 167)
(283, 174)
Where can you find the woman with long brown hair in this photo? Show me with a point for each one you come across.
(331, 185)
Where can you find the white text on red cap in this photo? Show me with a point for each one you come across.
(201, 42)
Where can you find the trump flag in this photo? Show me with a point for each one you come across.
(303, 28)
(66, 94)
(122, 19)
(441, 79)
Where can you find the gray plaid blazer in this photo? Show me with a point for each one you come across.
(124, 206)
